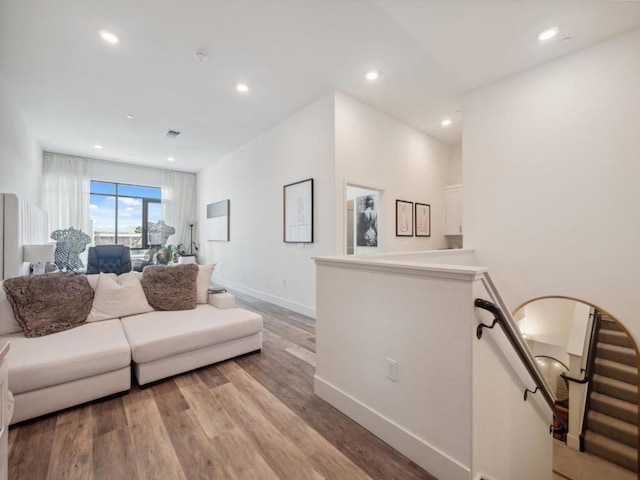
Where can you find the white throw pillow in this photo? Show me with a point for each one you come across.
(94, 277)
(138, 275)
(118, 297)
(8, 323)
(204, 282)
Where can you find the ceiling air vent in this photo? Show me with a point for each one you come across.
(172, 134)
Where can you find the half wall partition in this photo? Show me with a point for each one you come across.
(397, 351)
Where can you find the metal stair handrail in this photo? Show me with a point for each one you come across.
(526, 359)
(591, 353)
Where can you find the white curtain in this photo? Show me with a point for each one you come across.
(179, 206)
(66, 192)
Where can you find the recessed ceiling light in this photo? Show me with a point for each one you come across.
(109, 37)
(97, 146)
(130, 117)
(547, 34)
(242, 87)
(446, 122)
(372, 75)
(171, 159)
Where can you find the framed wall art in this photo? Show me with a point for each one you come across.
(404, 218)
(366, 220)
(218, 221)
(298, 212)
(423, 219)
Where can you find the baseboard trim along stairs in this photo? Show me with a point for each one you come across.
(612, 419)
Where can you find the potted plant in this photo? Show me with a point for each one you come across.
(180, 254)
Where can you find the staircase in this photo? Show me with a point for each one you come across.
(612, 419)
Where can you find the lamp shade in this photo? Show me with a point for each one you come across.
(39, 253)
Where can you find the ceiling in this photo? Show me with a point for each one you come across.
(75, 90)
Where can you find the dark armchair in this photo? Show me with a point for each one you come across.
(109, 259)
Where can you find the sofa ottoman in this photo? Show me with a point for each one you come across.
(166, 343)
(67, 368)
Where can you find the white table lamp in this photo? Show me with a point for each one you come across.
(38, 256)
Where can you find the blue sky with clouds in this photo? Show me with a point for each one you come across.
(102, 209)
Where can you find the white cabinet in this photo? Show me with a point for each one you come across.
(453, 210)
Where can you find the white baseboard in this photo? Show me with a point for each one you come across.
(267, 297)
(428, 457)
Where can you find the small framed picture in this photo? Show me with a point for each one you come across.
(218, 221)
(298, 212)
(404, 218)
(423, 220)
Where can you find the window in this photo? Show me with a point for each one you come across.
(118, 213)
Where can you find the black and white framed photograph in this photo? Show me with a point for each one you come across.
(423, 219)
(298, 212)
(367, 220)
(218, 221)
(404, 218)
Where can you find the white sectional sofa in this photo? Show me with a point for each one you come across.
(94, 360)
(163, 345)
(68, 368)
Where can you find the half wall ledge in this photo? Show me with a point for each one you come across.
(416, 311)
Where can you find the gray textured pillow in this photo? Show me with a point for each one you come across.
(45, 304)
(171, 288)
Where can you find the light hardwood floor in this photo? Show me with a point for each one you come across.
(254, 417)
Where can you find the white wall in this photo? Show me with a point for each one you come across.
(510, 436)
(455, 165)
(20, 154)
(371, 309)
(452, 389)
(579, 330)
(551, 179)
(549, 320)
(376, 151)
(256, 260)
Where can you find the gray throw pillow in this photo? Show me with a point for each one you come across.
(171, 287)
(45, 304)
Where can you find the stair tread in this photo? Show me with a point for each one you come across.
(609, 443)
(615, 337)
(616, 365)
(611, 450)
(617, 370)
(615, 383)
(607, 324)
(617, 348)
(616, 402)
(614, 407)
(615, 388)
(620, 354)
(615, 423)
(616, 332)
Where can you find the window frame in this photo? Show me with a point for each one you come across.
(145, 208)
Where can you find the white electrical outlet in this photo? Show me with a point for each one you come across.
(392, 370)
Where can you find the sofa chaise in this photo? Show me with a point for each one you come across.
(94, 360)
